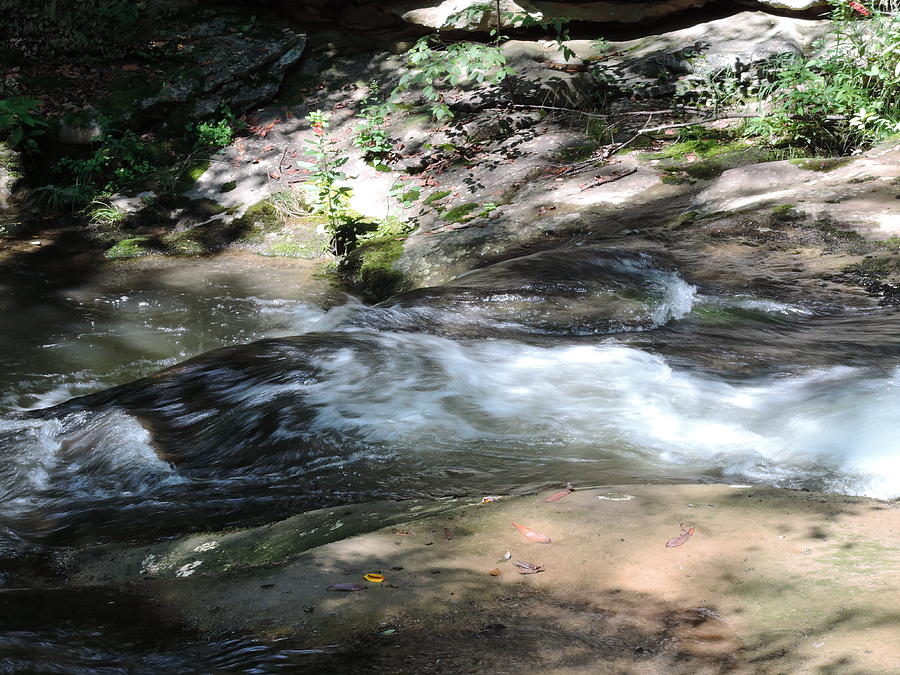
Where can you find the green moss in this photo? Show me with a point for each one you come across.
(370, 267)
(191, 175)
(197, 170)
(704, 170)
(460, 213)
(130, 248)
(229, 186)
(410, 196)
(259, 219)
(684, 220)
(873, 267)
(704, 148)
(889, 244)
(289, 249)
(862, 558)
(437, 196)
(820, 163)
(183, 243)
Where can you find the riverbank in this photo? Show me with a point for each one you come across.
(771, 581)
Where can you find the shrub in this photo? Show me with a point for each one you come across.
(849, 96)
(20, 122)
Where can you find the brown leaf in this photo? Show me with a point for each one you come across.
(681, 538)
(528, 568)
(131, 67)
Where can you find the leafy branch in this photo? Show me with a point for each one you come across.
(436, 65)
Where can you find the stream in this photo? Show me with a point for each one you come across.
(164, 397)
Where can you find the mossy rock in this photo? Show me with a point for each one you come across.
(820, 163)
(286, 248)
(704, 148)
(370, 268)
(258, 221)
(874, 267)
(191, 175)
(133, 247)
(183, 243)
(263, 215)
(436, 196)
(460, 214)
(717, 160)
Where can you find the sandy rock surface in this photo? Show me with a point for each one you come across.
(770, 581)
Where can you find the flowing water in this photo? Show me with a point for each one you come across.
(585, 364)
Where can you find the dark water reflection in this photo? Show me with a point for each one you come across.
(99, 632)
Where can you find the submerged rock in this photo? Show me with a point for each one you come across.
(585, 290)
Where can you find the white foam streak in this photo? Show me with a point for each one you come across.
(608, 399)
(87, 454)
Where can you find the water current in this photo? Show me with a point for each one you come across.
(164, 397)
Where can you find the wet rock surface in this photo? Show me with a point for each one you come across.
(612, 597)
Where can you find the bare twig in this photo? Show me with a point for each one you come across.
(603, 180)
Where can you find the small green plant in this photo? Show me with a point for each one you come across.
(214, 135)
(105, 213)
(59, 198)
(329, 199)
(20, 122)
(370, 134)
